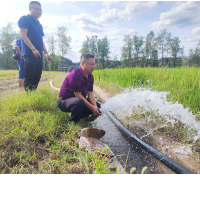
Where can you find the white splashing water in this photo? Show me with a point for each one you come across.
(135, 99)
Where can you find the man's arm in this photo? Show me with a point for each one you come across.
(46, 53)
(17, 48)
(92, 107)
(91, 98)
(23, 32)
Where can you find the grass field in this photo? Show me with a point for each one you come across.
(183, 83)
(37, 138)
(13, 74)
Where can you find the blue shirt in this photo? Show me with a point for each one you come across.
(18, 43)
(34, 33)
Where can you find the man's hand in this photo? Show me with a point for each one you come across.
(21, 58)
(36, 53)
(49, 59)
(95, 111)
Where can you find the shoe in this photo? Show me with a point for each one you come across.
(90, 118)
(92, 132)
(21, 90)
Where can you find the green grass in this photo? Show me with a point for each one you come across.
(37, 138)
(182, 82)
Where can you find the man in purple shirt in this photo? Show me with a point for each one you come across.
(73, 92)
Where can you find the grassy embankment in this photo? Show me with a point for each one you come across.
(182, 83)
(36, 137)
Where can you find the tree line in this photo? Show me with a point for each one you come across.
(154, 50)
(58, 44)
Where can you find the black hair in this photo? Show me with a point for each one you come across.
(86, 56)
(34, 2)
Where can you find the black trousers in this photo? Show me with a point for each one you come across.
(76, 107)
(33, 71)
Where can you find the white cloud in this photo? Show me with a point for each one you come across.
(131, 9)
(196, 30)
(88, 25)
(53, 21)
(190, 38)
(183, 15)
(107, 3)
(44, 1)
(6, 16)
(46, 20)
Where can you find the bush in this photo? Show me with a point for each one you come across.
(72, 68)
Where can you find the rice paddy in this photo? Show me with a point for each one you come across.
(182, 83)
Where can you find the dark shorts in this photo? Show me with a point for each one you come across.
(21, 71)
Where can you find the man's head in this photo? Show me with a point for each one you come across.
(35, 9)
(87, 63)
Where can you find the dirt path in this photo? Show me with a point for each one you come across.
(13, 86)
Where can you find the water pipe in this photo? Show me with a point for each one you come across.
(171, 164)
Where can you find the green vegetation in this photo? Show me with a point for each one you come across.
(60, 46)
(156, 50)
(37, 138)
(182, 83)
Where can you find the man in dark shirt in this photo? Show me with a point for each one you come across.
(32, 45)
(72, 96)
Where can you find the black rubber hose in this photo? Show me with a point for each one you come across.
(173, 165)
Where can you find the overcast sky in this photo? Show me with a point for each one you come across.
(112, 18)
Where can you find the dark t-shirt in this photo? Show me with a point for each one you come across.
(34, 33)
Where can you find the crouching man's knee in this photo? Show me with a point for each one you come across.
(79, 102)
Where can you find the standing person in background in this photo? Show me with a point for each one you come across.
(32, 45)
(20, 65)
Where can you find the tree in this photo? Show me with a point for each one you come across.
(85, 47)
(137, 43)
(104, 49)
(51, 48)
(150, 46)
(176, 50)
(90, 46)
(7, 41)
(51, 43)
(194, 55)
(127, 51)
(45, 63)
(115, 61)
(63, 40)
(163, 41)
(154, 58)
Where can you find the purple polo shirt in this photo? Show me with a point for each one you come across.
(76, 82)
